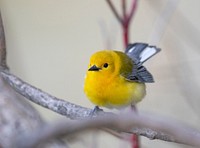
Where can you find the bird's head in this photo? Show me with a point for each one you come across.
(103, 62)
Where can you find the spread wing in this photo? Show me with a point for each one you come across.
(139, 53)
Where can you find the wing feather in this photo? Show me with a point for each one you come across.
(139, 53)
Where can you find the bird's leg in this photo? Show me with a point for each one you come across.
(95, 111)
(133, 108)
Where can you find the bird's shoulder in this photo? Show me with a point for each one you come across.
(133, 72)
(126, 64)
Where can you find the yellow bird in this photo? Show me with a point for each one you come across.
(116, 79)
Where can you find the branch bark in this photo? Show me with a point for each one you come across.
(72, 111)
(124, 122)
(44, 99)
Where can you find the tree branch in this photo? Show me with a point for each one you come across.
(44, 99)
(123, 122)
(73, 111)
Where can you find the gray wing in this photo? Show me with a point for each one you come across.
(139, 53)
(140, 74)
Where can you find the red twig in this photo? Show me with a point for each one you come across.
(135, 141)
(125, 21)
(126, 34)
(133, 9)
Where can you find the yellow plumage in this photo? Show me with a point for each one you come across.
(116, 79)
(106, 83)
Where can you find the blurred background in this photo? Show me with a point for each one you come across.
(49, 43)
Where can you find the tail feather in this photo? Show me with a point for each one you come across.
(141, 52)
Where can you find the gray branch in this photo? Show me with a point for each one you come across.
(71, 110)
(44, 99)
(122, 122)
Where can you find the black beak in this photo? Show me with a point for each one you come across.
(94, 68)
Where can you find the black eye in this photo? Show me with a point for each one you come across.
(105, 65)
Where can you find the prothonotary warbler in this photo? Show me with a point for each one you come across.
(115, 79)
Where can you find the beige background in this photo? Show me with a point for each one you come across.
(49, 43)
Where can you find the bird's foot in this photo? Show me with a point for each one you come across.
(133, 108)
(95, 111)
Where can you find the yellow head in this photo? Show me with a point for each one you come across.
(109, 63)
(104, 63)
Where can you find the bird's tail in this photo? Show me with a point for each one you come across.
(141, 52)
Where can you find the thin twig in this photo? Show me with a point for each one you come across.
(133, 9)
(2, 45)
(114, 11)
(124, 8)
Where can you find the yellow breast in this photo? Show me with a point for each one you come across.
(115, 94)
